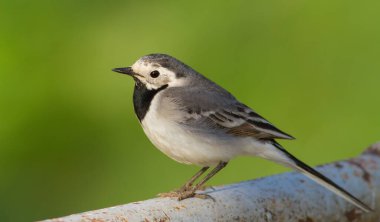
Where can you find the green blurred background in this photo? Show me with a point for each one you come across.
(69, 139)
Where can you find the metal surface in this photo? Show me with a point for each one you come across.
(284, 197)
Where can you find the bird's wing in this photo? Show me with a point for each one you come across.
(239, 121)
(219, 110)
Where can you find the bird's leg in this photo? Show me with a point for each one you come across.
(191, 193)
(219, 167)
(189, 183)
(187, 186)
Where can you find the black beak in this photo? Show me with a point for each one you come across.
(125, 70)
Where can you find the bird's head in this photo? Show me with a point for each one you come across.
(157, 70)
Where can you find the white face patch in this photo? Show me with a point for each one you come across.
(166, 77)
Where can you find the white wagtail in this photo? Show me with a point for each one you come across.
(195, 121)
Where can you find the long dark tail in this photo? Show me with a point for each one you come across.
(322, 180)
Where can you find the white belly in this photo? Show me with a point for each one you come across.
(188, 147)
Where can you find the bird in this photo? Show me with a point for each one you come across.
(195, 121)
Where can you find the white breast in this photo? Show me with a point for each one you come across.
(184, 146)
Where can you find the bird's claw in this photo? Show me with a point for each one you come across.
(184, 194)
(180, 194)
(190, 194)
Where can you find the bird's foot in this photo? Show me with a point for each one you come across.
(181, 195)
(178, 192)
(191, 193)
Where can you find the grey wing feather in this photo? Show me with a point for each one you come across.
(218, 109)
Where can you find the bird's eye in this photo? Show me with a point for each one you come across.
(154, 74)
